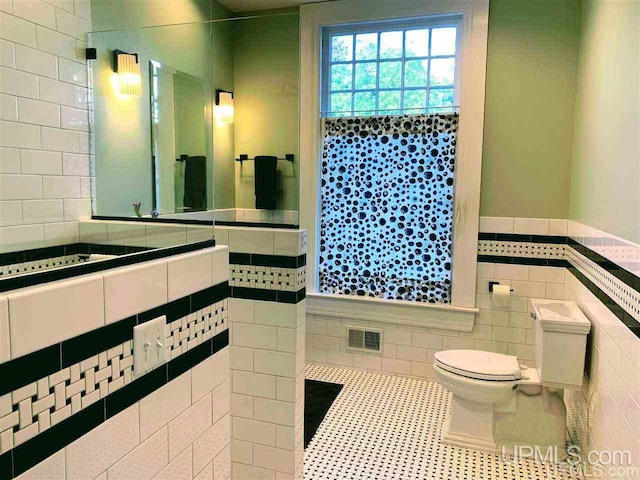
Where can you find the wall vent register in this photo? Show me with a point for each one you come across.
(364, 340)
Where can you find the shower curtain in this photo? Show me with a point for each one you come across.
(387, 206)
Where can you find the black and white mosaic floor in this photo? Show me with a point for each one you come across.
(389, 427)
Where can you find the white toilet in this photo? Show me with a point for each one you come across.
(499, 403)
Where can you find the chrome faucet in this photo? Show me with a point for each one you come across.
(136, 208)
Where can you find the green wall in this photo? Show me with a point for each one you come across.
(267, 59)
(223, 133)
(605, 184)
(121, 14)
(529, 110)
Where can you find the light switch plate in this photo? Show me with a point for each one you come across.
(149, 350)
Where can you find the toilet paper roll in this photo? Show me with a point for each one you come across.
(501, 297)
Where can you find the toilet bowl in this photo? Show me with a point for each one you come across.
(497, 403)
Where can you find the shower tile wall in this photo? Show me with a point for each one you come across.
(45, 177)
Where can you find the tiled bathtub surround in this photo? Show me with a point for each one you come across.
(53, 393)
(29, 261)
(45, 177)
(267, 356)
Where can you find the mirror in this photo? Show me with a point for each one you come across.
(178, 141)
(204, 126)
(137, 137)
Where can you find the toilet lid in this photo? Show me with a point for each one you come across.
(479, 365)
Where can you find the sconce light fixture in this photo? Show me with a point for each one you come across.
(225, 110)
(128, 69)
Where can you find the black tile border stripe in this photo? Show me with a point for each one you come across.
(257, 260)
(542, 262)
(27, 455)
(517, 237)
(34, 366)
(36, 254)
(624, 275)
(611, 304)
(280, 226)
(617, 271)
(31, 279)
(164, 221)
(268, 295)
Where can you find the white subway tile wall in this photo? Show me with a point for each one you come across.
(611, 392)
(43, 106)
(409, 350)
(267, 388)
(168, 434)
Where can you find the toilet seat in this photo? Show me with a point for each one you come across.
(479, 365)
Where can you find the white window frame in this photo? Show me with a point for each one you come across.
(388, 26)
(459, 315)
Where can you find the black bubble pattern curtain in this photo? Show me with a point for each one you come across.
(387, 206)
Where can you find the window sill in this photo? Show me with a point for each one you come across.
(395, 312)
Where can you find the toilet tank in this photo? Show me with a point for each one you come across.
(561, 342)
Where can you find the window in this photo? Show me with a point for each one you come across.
(386, 223)
(390, 68)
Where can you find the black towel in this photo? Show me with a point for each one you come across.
(195, 183)
(265, 182)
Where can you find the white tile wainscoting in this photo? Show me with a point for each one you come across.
(410, 350)
(45, 175)
(180, 431)
(609, 403)
(267, 355)
(170, 423)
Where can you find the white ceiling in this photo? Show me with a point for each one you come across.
(253, 5)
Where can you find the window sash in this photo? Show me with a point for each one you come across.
(379, 28)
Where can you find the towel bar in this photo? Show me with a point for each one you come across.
(289, 157)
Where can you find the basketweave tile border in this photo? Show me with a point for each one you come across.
(618, 288)
(37, 406)
(247, 277)
(269, 278)
(60, 406)
(259, 260)
(29, 368)
(25, 456)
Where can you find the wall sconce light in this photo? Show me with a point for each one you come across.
(225, 110)
(128, 69)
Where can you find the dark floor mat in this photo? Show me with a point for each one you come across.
(318, 398)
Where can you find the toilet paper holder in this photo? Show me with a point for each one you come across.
(492, 284)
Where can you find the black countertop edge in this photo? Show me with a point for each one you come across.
(179, 221)
(283, 226)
